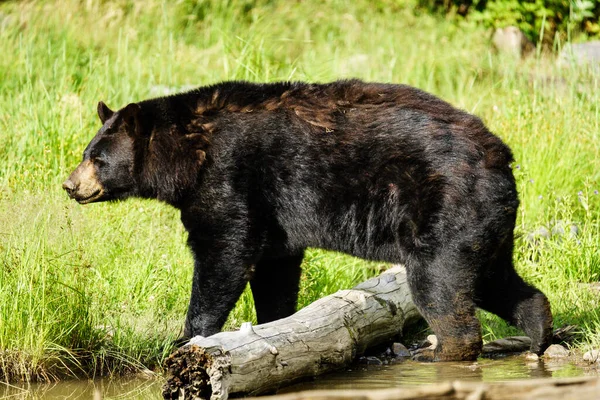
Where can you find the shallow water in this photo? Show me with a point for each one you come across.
(412, 373)
(407, 373)
(117, 388)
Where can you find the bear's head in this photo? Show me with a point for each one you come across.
(142, 150)
(106, 172)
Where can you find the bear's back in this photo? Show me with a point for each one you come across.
(346, 106)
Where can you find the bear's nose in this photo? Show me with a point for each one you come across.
(69, 186)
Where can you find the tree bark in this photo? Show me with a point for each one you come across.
(324, 336)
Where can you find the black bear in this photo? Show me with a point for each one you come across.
(384, 172)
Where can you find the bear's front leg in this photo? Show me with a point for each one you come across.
(275, 287)
(220, 276)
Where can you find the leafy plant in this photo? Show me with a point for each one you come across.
(540, 20)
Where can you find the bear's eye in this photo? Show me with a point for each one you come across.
(98, 161)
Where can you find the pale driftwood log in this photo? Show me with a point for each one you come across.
(324, 336)
(585, 388)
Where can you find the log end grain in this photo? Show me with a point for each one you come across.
(186, 373)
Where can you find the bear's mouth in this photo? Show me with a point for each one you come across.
(89, 199)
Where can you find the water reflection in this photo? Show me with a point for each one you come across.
(359, 377)
(410, 373)
(125, 388)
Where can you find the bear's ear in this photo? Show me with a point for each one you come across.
(130, 115)
(104, 112)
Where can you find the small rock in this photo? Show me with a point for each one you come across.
(531, 356)
(580, 54)
(556, 351)
(423, 355)
(399, 350)
(592, 356)
(370, 360)
(511, 40)
(433, 340)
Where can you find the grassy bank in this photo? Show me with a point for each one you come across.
(104, 288)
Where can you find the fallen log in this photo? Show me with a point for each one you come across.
(324, 336)
(512, 344)
(582, 388)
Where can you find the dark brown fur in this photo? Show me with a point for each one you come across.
(383, 172)
(319, 105)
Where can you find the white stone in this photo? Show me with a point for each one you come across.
(433, 340)
(592, 356)
(556, 351)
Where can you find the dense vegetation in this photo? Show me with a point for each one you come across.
(103, 288)
(551, 22)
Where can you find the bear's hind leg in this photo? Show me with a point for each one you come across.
(504, 293)
(275, 286)
(443, 290)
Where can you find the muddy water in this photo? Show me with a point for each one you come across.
(122, 388)
(412, 373)
(358, 377)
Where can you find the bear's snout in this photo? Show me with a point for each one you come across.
(70, 187)
(83, 185)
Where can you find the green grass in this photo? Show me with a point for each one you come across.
(104, 288)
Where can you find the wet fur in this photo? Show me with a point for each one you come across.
(384, 172)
